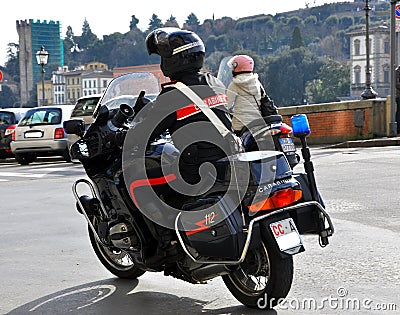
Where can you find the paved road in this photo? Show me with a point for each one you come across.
(48, 267)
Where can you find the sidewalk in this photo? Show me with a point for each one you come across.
(378, 142)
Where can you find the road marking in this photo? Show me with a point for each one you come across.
(14, 174)
(103, 291)
(7, 172)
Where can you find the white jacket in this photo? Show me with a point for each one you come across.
(242, 93)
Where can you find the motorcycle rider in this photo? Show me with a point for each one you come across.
(244, 92)
(182, 55)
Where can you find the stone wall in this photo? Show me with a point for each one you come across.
(343, 121)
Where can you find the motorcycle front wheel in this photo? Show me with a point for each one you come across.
(117, 261)
(263, 280)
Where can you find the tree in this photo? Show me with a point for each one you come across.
(287, 75)
(347, 21)
(294, 21)
(134, 23)
(297, 39)
(69, 40)
(192, 22)
(87, 38)
(333, 81)
(155, 22)
(7, 97)
(12, 63)
(171, 22)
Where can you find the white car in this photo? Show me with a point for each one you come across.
(41, 133)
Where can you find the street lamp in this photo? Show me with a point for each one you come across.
(393, 105)
(368, 93)
(42, 57)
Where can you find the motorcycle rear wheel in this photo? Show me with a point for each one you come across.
(117, 261)
(263, 280)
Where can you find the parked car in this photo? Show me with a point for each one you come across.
(83, 109)
(9, 117)
(40, 133)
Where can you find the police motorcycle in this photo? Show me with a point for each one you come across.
(245, 228)
(269, 131)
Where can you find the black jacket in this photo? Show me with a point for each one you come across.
(191, 131)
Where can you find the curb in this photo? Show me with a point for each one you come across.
(379, 142)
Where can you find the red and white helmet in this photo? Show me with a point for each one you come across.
(241, 63)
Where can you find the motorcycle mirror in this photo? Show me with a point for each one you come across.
(124, 112)
(74, 127)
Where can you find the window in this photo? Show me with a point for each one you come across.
(41, 116)
(386, 47)
(357, 47)
(357, 74)
(386, 73)
(104, 83)
(6, 118)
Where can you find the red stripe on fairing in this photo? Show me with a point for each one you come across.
(149, 182)
(191, 109)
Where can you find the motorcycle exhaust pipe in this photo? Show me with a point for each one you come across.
(209, 272)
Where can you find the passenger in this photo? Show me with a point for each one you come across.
(245, 93)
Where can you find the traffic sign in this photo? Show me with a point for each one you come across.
(397, 15)
(1, 75)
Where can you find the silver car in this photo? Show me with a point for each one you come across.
(40, 133)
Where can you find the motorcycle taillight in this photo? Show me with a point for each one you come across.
(279, 199)
(285, 129)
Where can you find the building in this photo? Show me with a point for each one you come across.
(59, 85)
(95, 81)
(379, 61)
(95, 78)
(32, 35)
(88, 79)
(73, 86)
(48, 93)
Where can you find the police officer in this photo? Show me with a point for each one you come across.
(182, 55)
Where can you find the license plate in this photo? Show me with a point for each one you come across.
(33, 134)
(286, 234)
(287, 144)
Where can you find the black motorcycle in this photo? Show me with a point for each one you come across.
(246, 228)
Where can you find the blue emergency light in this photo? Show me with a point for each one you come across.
(300, 125)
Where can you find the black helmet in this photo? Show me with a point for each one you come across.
(180, 50)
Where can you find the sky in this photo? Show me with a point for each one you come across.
(106, 17)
